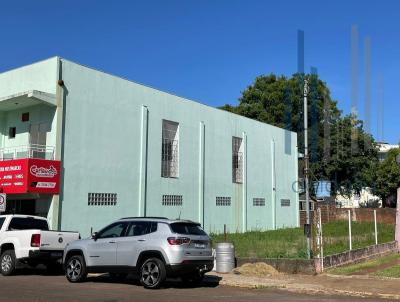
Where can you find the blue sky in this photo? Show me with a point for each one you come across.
(210, 51)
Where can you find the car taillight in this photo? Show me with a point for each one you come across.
(35, 240)
(178, 240)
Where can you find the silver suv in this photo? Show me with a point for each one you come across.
(153, 248)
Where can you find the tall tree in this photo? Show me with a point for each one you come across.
(387, 178)
(279, 101)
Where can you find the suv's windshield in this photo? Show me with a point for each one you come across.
(187, 228)
(21, 223)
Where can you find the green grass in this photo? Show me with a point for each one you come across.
(393, 272)
(354, 268)
(284, 243)
(336, 240)
(291, 243)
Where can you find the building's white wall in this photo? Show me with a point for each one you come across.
(37, 114)
(40, 76)
(102, 147)
(2, 128)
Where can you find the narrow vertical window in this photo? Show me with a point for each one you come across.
(12, 131)
(237, 160)
(170, 149)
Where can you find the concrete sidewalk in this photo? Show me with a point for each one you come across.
(346, 285)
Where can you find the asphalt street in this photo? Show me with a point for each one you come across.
(32, 287)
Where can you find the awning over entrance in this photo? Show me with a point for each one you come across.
(26, 99)
(30, 175)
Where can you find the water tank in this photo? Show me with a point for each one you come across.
(225, 256)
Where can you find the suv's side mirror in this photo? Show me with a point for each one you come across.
(94, 236)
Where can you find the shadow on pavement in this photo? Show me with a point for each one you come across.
(40, 270)
(208, 282)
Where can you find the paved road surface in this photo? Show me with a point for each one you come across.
(32, 287)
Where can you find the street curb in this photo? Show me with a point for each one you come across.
(300, 288)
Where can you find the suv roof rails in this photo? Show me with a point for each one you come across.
(147, 217)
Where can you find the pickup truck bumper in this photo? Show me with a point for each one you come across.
(45, 256)
(189, 267)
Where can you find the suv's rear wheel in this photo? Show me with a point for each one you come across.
(152, 273)
(7, 262)
(75, 269)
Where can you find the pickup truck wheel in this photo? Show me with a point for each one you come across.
(152, 273)
(7, 263)
(75, 269)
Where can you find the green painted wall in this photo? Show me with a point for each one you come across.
(105, 152)
(37, 114)
(112, 144)
(2, 128)
(40, 76)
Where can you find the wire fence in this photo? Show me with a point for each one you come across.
(340, 235)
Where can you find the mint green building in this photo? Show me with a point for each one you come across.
(131, 150)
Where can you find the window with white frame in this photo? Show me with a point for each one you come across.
(170, 149)
(237, 159)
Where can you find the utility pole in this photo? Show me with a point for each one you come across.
(306, 171)
(397, 232)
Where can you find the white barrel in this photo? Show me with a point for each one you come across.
(225, 256)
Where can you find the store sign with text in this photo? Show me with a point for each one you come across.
(30, 175)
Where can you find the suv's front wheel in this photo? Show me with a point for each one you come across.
(152, 273)
(75, 269)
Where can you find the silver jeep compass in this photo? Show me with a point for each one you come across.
(153, 248)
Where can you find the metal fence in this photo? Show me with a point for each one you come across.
(348, 232)
(27, 151)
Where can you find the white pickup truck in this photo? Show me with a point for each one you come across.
(27, 240)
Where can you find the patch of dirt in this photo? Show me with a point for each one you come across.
(259, 269)
(378, 268)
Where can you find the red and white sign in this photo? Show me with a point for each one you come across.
(30, 175)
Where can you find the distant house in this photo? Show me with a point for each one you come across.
(364, 199)
(384, 148)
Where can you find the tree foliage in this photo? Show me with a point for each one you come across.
(340, 150)
(387, 178)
